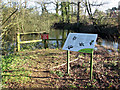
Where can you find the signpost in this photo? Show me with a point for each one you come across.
(80, 42)
(45, 36)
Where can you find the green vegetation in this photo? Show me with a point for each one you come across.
(31, 67)
(18, 17)
(13, 70)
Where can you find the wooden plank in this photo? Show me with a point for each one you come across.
(33, 32)
(37, 40)
(18, 40)
(30, 41)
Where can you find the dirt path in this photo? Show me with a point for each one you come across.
(39, 79)
(40, 63)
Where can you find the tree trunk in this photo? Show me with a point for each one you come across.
(62, 11)
(57, 8)
(0, 43)
(78, 11)
(68, 13)
(119, 25)
(72, 9)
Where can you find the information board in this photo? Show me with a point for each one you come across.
(80, 42)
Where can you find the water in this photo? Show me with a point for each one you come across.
(103, 42)
(109, 44)
(57, 34)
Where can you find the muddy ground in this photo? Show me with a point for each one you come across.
(46, 72)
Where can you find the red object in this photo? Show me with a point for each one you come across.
(44, 36)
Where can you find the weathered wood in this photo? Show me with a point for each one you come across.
(30, 41)
(91, 65)
(68, 61)
(18, 40)
(45, 44)
(21, 42)
(32, 32)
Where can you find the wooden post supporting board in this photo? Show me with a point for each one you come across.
(80, 42)
(91, 65)
(68, 61)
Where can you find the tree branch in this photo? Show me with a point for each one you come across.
(99, 4)
(9, 16)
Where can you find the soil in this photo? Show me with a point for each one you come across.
(46, 74)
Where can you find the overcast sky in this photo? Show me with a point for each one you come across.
(109, 5)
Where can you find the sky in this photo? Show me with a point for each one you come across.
(109, 5)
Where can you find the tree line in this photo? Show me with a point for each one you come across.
(17, 16)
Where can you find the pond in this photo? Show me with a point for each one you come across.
(54, 34)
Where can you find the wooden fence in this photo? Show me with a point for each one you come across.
(31, 41)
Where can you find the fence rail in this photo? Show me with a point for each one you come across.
(32, 41)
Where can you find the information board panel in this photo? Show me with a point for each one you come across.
(80, 42)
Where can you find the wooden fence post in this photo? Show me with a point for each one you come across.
(45, 43)
(18, 41)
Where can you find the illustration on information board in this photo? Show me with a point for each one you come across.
(91, 42)
(80, 42)
(74, 38)
(70, 46)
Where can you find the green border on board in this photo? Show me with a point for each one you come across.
(86, 50)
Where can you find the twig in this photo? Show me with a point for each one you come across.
(64, 64)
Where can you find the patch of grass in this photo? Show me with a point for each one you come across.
(59, 73)
(72, 86)
(106, 73)
(52, 72)
(13, 70)
(89, 84)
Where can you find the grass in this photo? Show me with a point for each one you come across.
(19, 67)
(59, 73)
(12, 70)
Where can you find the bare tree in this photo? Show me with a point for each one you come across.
(89, 6)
